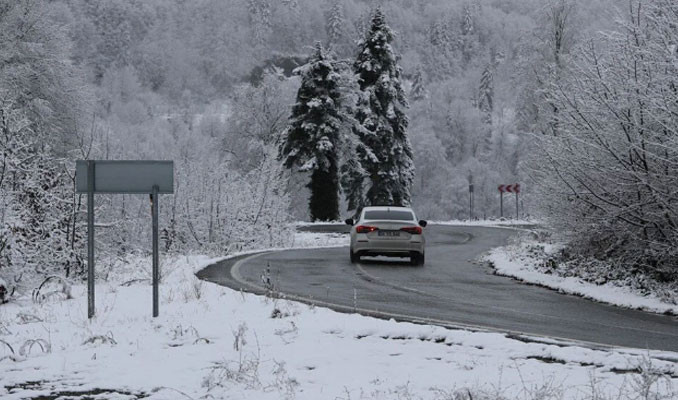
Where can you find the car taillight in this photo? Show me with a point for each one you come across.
(365, 229)
(415, 230)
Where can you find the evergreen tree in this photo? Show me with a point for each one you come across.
(313, 138)
(468, 40)
(335, 25)
(438, 35)
(418, 91)
(486, 106)
(385, 154)
(468, 25)
(260, 19)
(486, 93)
(353, 181)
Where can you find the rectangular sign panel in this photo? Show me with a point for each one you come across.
(126, 176)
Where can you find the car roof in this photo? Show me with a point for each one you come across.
(386, 208)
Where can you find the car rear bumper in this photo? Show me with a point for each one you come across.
(392, 248)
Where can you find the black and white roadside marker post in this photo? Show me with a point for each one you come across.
(123, 177)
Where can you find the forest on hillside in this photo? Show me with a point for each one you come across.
(470, 69)
(210, 85)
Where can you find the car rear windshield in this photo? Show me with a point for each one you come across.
(389, 215)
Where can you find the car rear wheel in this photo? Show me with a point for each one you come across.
(417, 258)
(354, 257)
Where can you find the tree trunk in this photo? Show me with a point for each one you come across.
(324, 201)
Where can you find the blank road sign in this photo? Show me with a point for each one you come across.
(126, 177)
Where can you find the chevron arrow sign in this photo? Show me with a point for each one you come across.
(509, 188)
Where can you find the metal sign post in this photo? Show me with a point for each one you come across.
(470, 201)
(516, 190)
(123, 177)
(510, 189)
(90, 239)
(156, 267)
(501, 201)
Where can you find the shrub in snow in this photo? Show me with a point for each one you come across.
(29, 344)
(101, 339)
(607, 164)
(52, 286)
(7, 348)
(40, 105)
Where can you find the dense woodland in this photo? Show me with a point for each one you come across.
(498, 91)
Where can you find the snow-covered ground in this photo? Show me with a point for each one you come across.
(487, 222)
(217, 343)
(320, 239)
(459, 222)
(524, 260)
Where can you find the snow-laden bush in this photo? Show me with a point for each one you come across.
(608, 166)
(41, 103)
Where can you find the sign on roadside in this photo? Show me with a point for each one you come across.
(127, 177)
(515, 188)
(123, 177)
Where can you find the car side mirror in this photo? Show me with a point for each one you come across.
(423, 223)
(349, 221)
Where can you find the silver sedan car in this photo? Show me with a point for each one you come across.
(387, 231)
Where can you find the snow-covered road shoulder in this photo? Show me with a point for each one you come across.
(488, 222)
(214, 342)
(527, 261)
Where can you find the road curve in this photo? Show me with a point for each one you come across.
(452, 289)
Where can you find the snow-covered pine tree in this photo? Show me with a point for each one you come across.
(312, 140)
(353, 182)
(486, 93)
(468, 40)
(361, 25)
(486, 106)
(418, 91)
(260, 19)
(386, 154)
(438, 35)
(468, 24)
(335, 25)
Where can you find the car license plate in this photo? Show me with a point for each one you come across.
(389, 233)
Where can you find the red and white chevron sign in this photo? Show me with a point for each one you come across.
(509, 188)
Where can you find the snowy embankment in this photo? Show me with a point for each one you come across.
(487, 222)
(527, 261)
(320, 239)
(214, 342)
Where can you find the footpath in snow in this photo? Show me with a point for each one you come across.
(212, 342)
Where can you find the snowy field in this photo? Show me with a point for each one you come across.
(212, 342)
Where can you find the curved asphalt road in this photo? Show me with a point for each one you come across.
(452, 289)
